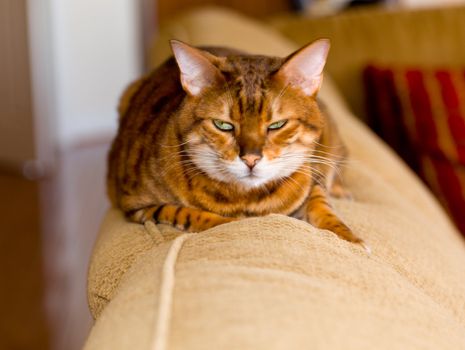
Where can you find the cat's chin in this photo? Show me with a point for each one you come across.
(252, 181)
(248, 182)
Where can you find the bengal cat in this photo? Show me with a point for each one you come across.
(214, 135)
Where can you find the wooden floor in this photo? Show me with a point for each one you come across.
(23, 320)
(48, 230)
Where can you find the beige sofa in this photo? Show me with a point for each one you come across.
(276, 282)
(419, 38)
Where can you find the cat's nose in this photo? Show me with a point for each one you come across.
(251, 160)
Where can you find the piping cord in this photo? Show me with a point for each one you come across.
(163, 318)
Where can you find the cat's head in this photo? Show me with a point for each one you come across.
(251, 119)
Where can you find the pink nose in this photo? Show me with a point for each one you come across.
(251, 160)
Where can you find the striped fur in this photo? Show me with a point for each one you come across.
(170, 162)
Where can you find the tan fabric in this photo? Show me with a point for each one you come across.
(420, 37)
(279, 283)
(219, 27)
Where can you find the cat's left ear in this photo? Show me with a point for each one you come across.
(304, 68)
(197, 68)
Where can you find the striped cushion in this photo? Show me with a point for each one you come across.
(421, 114)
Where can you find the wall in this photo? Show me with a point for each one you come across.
(82, 55)
(96, 53)
(16, 121)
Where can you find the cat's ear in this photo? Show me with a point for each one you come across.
(196, 66)
(304, 68)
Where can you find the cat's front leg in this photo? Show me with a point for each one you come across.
(183, 218)
(320, 214)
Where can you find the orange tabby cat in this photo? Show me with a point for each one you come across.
(214, 135)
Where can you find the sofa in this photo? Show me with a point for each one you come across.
(275, 282)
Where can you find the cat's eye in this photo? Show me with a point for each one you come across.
(277, 125)
(223, 126)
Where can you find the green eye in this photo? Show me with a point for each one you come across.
(223, 126)
(277, 125)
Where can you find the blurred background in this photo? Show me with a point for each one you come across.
(63, 66)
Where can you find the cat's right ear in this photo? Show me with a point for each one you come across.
(304, 68)
(196, 66)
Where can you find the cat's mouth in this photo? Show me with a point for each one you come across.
(251, 174)
(252, 180)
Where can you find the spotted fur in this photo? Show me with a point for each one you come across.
(171, 163)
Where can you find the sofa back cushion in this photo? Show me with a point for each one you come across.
(358, 37)
(421, 114)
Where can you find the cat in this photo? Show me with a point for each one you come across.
(214, 135)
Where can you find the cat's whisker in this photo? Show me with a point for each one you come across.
(311, 172)
(204, 168)
(173, 166)
(194, 167)
(321, 157)
(330, 154)
(318, 179)
(315, 159)
(333, 167)
(173, 146)
(172, 155)
(191, 152)
(280, 95)
(339, 167)
(339, 147)
(306, 156)
(322, 162)
(293, 181)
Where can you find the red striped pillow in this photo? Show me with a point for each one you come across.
(421, 114)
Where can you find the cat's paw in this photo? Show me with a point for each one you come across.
(346, 233)
(358, 241)
(363, 245)
(208, 222)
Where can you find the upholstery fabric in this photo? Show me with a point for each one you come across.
(216, 26)
(279, 283)
(421, 113)
(431, 36)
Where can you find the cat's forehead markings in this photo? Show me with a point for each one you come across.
(278, 112)
(224, 111)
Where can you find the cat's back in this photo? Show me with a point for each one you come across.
(144, 110)
(150, 95)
